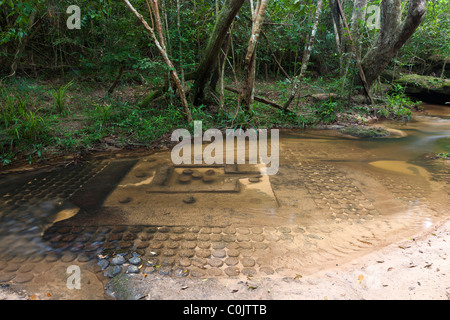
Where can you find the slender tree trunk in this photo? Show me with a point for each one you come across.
(358, 17)
(336, 24)
(250, 57)
(180, 47)
(306, 56)
(393, 35)
(162, 51)
(362, 74)
(208, 62)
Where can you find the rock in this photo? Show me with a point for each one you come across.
(208, 179)
(365, 131)
(132, 269)
(189, 199)
(184, 179)
(426, 88)
(197, 175)
(181, 272)
(125, 200)
(114, 271)
(103, 263)
(118, 260)
(135, 261)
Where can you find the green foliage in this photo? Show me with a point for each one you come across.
(398, 105)
(60, 96)
(327, 111)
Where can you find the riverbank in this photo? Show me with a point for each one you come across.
(41, 129)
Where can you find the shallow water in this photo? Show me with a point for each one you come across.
(334, 198)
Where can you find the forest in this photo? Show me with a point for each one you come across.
(83, 76)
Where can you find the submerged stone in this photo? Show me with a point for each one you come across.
(189, 199)
(365, 132)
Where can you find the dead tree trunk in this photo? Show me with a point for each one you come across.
(162, 51)
(393, 35)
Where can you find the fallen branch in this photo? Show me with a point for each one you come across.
(259, 99)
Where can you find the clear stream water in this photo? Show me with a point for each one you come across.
(334, 198)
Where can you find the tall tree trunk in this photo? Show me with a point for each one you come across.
(336, 24)
(358, 17)
(306, 56)
(224, 20)
(248, 90)
(393, 35)
(351, 42)
(162, 51)
(348, 46)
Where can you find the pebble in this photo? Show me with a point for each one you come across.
(118, 260)
(132, 269)
(114, 271)
(189, 200)
(197, 175)
(208, 179)
(181, 272)
(135, 260)
(103, 263)
(125, 200)
(184, 179)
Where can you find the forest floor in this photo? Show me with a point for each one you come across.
(49, 125)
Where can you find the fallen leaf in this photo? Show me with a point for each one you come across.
(360, 278)
(390, 268)
(49, 295)
(428, 265)
(298, 276)
(234, 291)
(380, 261)
(33, 297)
(184, 288)
(144, 275)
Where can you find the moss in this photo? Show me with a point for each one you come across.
(426, 82)
(365, 132)
(121, 288)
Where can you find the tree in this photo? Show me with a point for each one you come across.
(162, 50)
(206, 67)
(393, 35)
(306, 56)
(247, 96)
